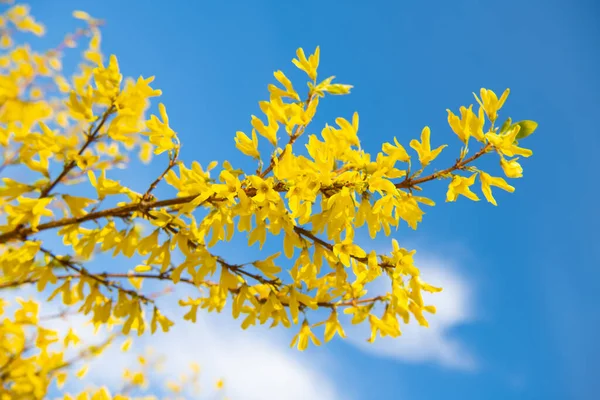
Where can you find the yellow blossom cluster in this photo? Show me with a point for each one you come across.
(63, 135)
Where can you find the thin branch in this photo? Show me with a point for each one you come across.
(98, 278)
(168, 278)
(9, 160)
(127, 209)
(92, 135)
(308, 234)
(22, 232)
(172, 162)
(293, 137)
(236, 269)
(408, 182)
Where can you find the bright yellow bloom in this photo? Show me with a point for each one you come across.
(160, 320)
(104, 186)
(426, 155)
(468, 124)
(28, 210)
(359, 314)
(303, 336)
(309, 66)
(82, 371)
(487, 181)
(505, 143)
(71, 337)
(512, 168)
(346, 250)
(268, 267)
(460, 185)
(246, 145)
(490, 103)
(160, 133)
(289, 88)
(333, 326)
(77, 205)
(388, 325)
(126, 344)
(264, 190)
(268, 132)
(82, 15)
(396, 152)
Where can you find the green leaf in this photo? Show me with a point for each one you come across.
(506, 125)
(527, 128)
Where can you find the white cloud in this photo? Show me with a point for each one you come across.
(255, 364)
(435, 344)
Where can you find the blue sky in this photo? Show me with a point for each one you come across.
(531, 263)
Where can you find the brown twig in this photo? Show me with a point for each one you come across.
(92, 135)
(293, 137)
(8, 161)
(308, 234)
(98, 278)
(127, 209)
(236, 269)
(22, 232)
(408, 182)
(172, 162)
(163, 277)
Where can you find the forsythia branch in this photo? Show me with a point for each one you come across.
(313, 204)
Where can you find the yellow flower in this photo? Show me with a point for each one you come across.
(264, 190)
(268, 266)
(28, 210)
(309, 66)
(505, 143)
(71, 337)
(160, 320)
(490, 103)
(487, 181)
(126, 344)
(512, 168)
(160, 133)
(460, 185)
(346, 250)
(468, 124)
(302, 337)
(77, 205)
(289, 88)
(426, 155)
(386, 326)
(359, 313)
(268, 132)
(82, 15)
(246, 145)
(104, 186)
(396, 152)
(82, 372)
(332, 326)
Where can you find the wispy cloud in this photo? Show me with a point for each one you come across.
(255, 364)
